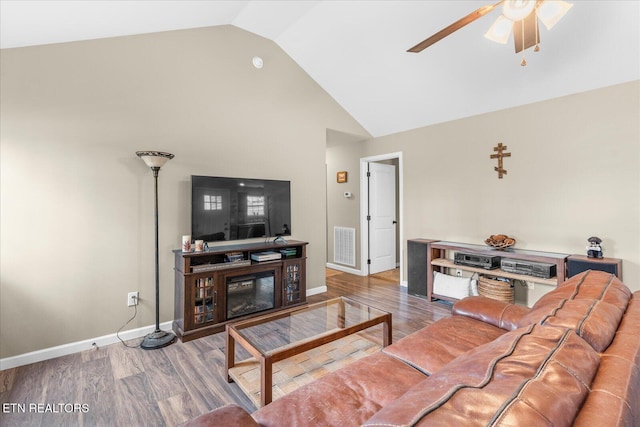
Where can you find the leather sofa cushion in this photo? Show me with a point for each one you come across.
(348, 396)
(432, 347)
(502, 314)
(531, 376)
(615, 392)
(591, 303)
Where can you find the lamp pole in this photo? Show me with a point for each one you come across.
(158, 338)
(155, 170)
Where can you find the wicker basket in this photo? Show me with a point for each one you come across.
(496, 289)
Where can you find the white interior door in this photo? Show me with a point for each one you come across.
(382, 211)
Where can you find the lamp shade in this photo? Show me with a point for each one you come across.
(551, 11)
(500, 30)
(154, 159)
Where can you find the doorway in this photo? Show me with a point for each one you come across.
(381, 213)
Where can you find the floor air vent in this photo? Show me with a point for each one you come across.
(344, 245)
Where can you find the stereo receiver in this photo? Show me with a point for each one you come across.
(542, 270)
(474, 260)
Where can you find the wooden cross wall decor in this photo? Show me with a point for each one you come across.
(501, 154)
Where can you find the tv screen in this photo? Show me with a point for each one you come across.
(239, 208)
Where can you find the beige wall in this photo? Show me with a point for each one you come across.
(574, 172)
(343, 154)
(77, 204)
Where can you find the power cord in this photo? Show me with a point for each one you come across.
(135, 313)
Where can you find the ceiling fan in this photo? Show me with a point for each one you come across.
(521, 16)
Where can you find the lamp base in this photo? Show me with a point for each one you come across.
(157, 339)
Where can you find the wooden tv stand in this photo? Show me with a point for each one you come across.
(206, 280)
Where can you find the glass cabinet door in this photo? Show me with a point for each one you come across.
(292, 282)
(205, 300)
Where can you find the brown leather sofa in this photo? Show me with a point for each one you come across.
(572, 359)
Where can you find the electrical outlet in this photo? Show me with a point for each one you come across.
(132, 299)
(459, 273)
(530, 286)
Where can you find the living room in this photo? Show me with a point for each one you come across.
(77, 204)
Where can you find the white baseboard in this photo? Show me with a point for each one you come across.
(345, 269)
(316, 291)
(75, 347)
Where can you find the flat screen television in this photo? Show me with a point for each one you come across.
(225, 208)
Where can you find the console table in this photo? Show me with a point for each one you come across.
(226, 283)
(437, 260)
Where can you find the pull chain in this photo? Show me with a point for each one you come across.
(537, 48)
(524, 61)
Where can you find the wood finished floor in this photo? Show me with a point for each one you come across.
(123, 386)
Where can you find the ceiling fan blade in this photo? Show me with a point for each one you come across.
(525, 33)
(454, 27)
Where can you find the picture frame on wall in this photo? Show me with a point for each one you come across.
(342, 177)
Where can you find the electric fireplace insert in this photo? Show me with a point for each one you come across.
(250, 294)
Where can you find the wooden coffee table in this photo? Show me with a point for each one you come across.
(284, 334)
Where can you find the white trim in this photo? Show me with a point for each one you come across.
(76, 347)
(344, 269)
(364, 201)
(317, 290)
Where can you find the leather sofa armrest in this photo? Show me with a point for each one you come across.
(501, 314)
(229, 415)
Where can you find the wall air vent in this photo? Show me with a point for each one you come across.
(344, 246)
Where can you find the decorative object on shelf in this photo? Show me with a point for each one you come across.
(594, 250)
(186, 243)
(158, 338)
(342, 177)
(501, 154)
(199, 245)
(500, 241)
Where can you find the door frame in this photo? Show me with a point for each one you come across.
(364, 204)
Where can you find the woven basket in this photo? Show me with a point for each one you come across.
(496, 289)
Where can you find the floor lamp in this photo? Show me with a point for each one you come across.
(158, 338)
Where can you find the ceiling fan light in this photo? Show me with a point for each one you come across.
(517, 10)
(551, 11)
(500, 30)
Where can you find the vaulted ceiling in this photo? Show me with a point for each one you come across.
(356, 50)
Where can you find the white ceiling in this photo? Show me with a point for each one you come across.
(356, 50)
